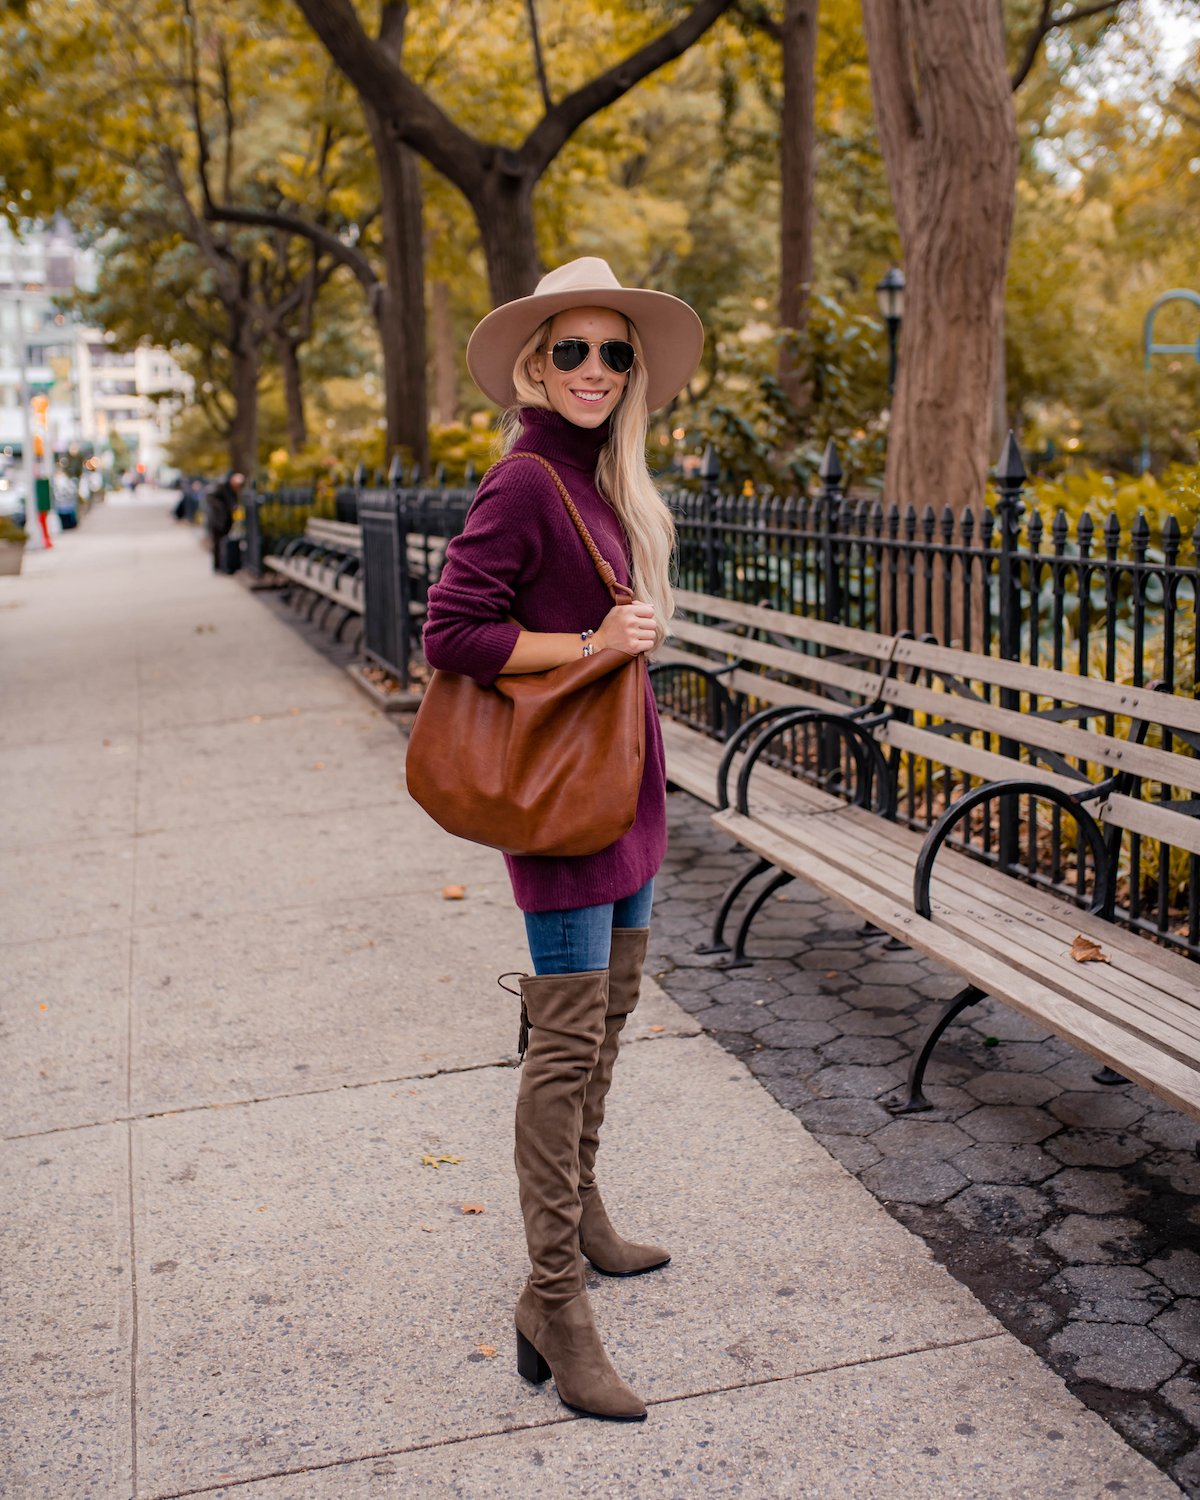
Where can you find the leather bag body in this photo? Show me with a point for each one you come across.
(543, 763)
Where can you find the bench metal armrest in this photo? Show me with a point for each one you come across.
(868, 757)
(737, 742)
(1070, 802)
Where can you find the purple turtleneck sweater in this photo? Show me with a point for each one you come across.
(520, 555)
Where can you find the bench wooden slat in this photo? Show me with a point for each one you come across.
(1086, 744)
(985, 764)
(1174, 828)
(693, 761)
(1102, 1039)
(798, 627)
(814, 668)
(1170, 709)
(342, 595)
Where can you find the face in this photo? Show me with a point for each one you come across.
(236, 481)
(589, 395)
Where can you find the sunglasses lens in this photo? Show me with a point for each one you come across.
(569, 354)
(617, 355)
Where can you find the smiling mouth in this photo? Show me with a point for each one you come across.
(592, 396)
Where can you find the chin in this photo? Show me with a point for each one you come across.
(588, 416)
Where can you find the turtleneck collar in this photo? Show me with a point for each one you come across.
(562, 442)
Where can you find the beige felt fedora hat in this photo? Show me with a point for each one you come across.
(672, 335)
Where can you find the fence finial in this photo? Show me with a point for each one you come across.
(359, 476)
(1010, 471)
(395, 472)
(831, 466)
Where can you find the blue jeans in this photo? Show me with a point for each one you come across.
(577, 941)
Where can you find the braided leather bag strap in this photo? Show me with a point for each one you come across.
(620, 592)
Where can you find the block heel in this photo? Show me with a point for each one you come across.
(530, 1364)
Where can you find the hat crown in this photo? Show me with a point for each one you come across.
(588, 273)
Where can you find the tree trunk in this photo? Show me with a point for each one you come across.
(797, 173)
(243, 430)
(1000, 422)
(445, 370)
(944, 110)
(504, 212)
(293, 393)
(400, 304)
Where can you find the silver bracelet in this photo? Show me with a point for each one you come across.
(589, 650)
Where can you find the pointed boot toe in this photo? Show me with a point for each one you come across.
(567, 1345)
(608, 1252)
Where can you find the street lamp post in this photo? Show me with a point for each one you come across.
(890, 295)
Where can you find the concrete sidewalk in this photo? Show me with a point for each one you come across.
(238, 1014)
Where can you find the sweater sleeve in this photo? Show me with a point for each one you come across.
(500, 547)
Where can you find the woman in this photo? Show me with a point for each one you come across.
(578, 365)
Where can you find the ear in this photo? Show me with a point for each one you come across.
(535, 365)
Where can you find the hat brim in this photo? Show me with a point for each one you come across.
(672, 338)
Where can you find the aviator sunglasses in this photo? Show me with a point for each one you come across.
(569, 354)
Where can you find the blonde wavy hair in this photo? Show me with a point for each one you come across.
(621, 474)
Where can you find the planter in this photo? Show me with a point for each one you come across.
(11, 554)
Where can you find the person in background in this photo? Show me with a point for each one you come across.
(220, 504)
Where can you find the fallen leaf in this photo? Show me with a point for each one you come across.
(453, 892)
(293, 710)
(426, 1228)
(1085, 951)
(107, 742)
(320, 765)
(254, 719)
(657, 1028)
(43, 1007)
(781, 898)
(833, 973)
(486, 1350)
(472, 1208)
(436, 1161)
(443, 979)
(411, 1091)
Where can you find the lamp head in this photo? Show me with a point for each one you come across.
(890, 294)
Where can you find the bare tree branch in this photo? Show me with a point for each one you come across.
(319, 236)
(547, 104)
(1046, 24)
(760, 17)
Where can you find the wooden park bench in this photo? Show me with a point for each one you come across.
(976, 891)
(326, 562)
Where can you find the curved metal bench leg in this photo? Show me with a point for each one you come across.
(358, 639)
(739, 959)
(330, 605)
(736, 887)
(312, 608)
(343, 622)
(1110, 1076)
(916, 1100)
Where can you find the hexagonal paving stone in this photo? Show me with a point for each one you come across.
(1009, 1026)
(865, 1051)
(1015, 1125)
(1179, 1326)
(853, 1083)
(1075, 1074)
(793, 1033)
(1183, 1393)
(874, 1023)
(1131, 1359)
(1183, 1170)
(920, 1182)
(730, 1018)
(1171, 1128)
(784, 1062)
(1082, 1241)
(839, 959)
(1011, 1088)
(1000, 1208)
(999, 1163)
(843, 1117)
(1020, 1057)
(889, 972)
(853, 1152)
(1097, 1148)
(938, 986)
(814, 1007)
(920, 1140)
(1096, 1111)
(1180, 1270)
(885, 997)
(1095, 1192)
(1113, 1294)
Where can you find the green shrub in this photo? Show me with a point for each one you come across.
(11, 532)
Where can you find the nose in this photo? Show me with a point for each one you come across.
(593, 367)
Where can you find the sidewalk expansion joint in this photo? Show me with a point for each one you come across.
(564, 1418)
(332, 1088)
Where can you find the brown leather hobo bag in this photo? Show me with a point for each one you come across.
(539, 762)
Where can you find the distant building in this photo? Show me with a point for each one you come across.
(94, 392)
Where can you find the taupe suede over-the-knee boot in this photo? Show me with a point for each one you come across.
(556, 1332)
(598, 1240)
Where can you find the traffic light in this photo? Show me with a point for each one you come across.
(39, 448)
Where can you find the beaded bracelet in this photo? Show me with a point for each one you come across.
(585, 636)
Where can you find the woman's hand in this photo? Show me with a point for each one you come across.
(628, 628)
